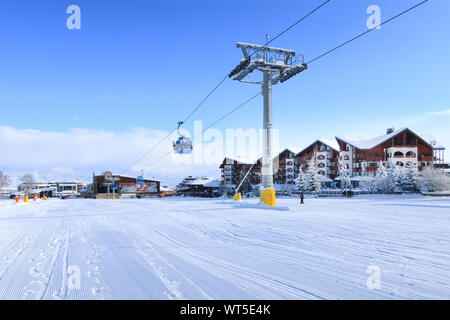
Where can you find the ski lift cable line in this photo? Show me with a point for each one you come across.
(149, 150)
(267, 43)
(214, 123)
(171, 132)
(366, 32)
(290, 27)
(312, 60)
(223, 80)
(232, 111)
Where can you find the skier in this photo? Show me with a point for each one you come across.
(302, 196)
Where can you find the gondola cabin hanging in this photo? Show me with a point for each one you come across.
(183, 145)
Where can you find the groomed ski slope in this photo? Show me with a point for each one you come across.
(179, 248)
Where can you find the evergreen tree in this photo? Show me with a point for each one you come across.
(383, 178)
(314, 182)
(346, 182)
(394, 178)
(409, 179)
(246, 186)
(301, 182)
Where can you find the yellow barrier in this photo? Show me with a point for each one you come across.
(268, 197)
(237, 197)
(25, 199)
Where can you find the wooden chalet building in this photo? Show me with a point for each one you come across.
(199, 187)
(361, 156)
(358, 156)
(233, 170)
(285, 168)
(326, 155)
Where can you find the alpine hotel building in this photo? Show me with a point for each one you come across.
(358, 156)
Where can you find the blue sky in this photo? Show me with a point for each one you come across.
(146, 64)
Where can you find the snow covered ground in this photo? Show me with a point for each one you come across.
(177, 248)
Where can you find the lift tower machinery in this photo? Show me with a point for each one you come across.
(277, 65)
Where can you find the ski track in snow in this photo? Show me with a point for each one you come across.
(181, 248)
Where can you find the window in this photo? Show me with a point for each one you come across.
(321, 165)
(346, 157)
(399, 163)
(398, 154)
(410, 154)
(321, 172)
(321, 157)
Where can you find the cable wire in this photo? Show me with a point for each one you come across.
(211, 125)
(223, 80)
(366, 32)
(290, 27)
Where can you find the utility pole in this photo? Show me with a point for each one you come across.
(277, 65)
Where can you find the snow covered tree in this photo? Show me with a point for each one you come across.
(28, 181)
(394, 177)
(314, 182)
(384, 179)
(246, 187)
(433, 180)
(346, 181)
(369, 184)
(4, 180)
(301, 182)
(409, 179)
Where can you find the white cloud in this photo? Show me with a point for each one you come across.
(441, 113)
(427, 116)
(79, 152)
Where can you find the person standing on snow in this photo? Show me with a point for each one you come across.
(302, 197)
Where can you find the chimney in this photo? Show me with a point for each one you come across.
(389, 130)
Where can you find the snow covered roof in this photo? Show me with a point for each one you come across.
(366, 143)
(329, 142)
(202, 181)
(213, 184)
(363, 142)
(325, 179)
(332, 143)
